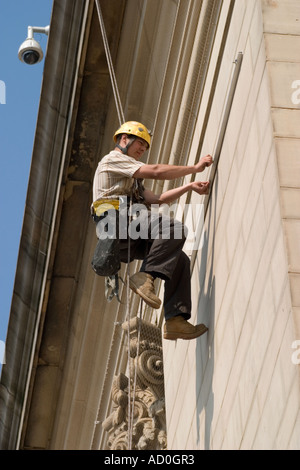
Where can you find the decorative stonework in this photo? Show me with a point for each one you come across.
(148, 429)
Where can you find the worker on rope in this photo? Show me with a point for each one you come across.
(119, 175)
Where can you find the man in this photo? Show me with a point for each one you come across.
(120, 174)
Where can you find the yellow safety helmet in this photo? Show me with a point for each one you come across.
(134, 128)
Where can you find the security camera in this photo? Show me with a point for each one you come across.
(30, 51)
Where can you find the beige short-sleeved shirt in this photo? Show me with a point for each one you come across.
(113, 176)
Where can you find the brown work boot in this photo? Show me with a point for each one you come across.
(143, 284)
(179, 328)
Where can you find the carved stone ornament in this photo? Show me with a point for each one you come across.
(148, 422)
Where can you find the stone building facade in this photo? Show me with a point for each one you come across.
(218, 77)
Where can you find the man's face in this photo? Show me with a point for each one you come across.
(137, 148)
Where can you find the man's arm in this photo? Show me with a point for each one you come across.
(170, 172)
(175, 193)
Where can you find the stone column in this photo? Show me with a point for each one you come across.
(146, 393)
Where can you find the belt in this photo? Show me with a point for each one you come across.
(102, 205)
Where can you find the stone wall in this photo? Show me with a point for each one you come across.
(238, 386)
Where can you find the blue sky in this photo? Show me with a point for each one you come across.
(18, 116)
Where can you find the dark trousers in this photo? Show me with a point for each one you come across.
(162, 255)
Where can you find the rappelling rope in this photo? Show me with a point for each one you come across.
(121, 117)
(135, 372)
(110, 67)
(130, 421)
(131, 397)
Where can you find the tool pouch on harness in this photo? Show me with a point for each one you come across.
(106, 258)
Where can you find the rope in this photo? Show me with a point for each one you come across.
(110, 67)
(130, 421)
(121, 118)
(130, 429)
(131, 397)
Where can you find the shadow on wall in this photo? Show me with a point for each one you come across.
(206, 314)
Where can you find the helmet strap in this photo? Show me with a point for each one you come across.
(125, 149)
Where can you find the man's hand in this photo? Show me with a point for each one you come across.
(200, 187)
(204, 162)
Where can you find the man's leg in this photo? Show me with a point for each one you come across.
(141, 283)
(177, 296)
(160, 261)
(166, 260)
